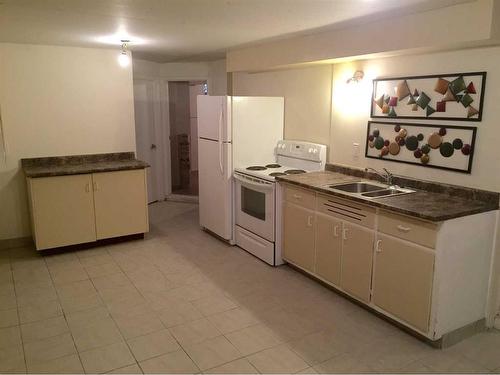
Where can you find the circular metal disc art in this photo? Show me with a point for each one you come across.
(424, 159)
(466, 149)
(403, 133)
(384, 151)
(425, 149)
(442, 132)
(457, 144)
(418, 153)
(376, 132)
(411, 143)
(446, 149)
(371, 144)
(420, 137)
(434, 140)
(397, 128)
(394, 148)
(379, 143)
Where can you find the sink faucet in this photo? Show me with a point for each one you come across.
(387, 176)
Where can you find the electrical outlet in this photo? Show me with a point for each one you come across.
(355, 150)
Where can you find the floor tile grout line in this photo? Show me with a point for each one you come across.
(18, 315)
(65, 317)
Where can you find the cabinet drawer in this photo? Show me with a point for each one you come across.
(300, 196)
(413, 230)
(346, 210)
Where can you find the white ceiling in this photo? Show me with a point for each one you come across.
(176, 30)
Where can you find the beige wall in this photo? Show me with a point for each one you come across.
(470, 23)
(307, 93)
(351, 110)
(214, 72)
(58, 101)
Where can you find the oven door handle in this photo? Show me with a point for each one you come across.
(260, 185)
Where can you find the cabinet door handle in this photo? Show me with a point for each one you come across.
(87, 187)
(296, 196)
(378, 249)
(309, 221)
(344, 234)
(95, 186)
(335, 231)
(402, 228)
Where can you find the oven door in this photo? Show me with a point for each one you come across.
(255, 205)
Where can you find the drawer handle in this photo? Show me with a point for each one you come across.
(309, 221)
(296, 196)
(378, 249)
(402, 228)
(87, 187)
(344, 234)
(335, 231)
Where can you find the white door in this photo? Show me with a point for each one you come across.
(147, 142)
(215, 188)
(213, 121)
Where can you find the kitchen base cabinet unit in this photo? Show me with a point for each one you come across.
(402, 283)
(299, 237)
(120, 203)
(430, 276)
(69, 207)
(328, 248)
(62, 210)
(357, 259)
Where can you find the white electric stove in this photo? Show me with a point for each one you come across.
(257, 214)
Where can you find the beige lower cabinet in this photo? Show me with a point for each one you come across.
(403, 278)
(357, 259)
(62, 210)
(298, 239)
(120, 203)
(328, 247)
(74, 209)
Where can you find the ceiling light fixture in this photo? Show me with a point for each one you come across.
(356, 77)
(124, 57)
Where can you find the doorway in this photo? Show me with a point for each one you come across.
(184, 137)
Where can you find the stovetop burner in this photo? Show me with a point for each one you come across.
(276, 174)
(256, 168)
(273, 166)
(294, 171)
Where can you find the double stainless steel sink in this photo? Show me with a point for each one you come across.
(369, 189)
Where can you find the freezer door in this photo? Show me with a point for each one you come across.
(215, 187)
(213, 121)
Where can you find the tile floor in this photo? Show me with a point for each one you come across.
(181, 301)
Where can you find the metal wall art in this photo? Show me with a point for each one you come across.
(457, 96)
(434, 146)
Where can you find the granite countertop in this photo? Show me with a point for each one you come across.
(426, 205)
(80, 164)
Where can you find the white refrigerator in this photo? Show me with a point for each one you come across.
(233, 131)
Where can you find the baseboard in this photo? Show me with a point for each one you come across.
(12, 243)
(496, 324)
(182, 198)
(454, 337)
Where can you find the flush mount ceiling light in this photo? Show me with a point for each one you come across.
(356, 77)
(124, 57)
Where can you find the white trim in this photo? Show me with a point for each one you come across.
(493, 301)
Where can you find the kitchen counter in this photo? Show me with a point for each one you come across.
(80, 164)
(422, 204)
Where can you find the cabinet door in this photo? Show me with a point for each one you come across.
(298, 236)
(62, 210)
(403, 280)
(328, 247)
(357, 258)
(120, 203)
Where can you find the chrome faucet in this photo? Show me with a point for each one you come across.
(387, 176)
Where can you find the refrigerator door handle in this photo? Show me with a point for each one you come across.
(220, 139)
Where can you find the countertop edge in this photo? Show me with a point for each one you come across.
(140, 165)
(378, 204)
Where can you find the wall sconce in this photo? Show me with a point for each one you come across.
(356, 77)
(123, 57)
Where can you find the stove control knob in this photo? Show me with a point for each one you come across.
(315, 151)
(310, 150)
